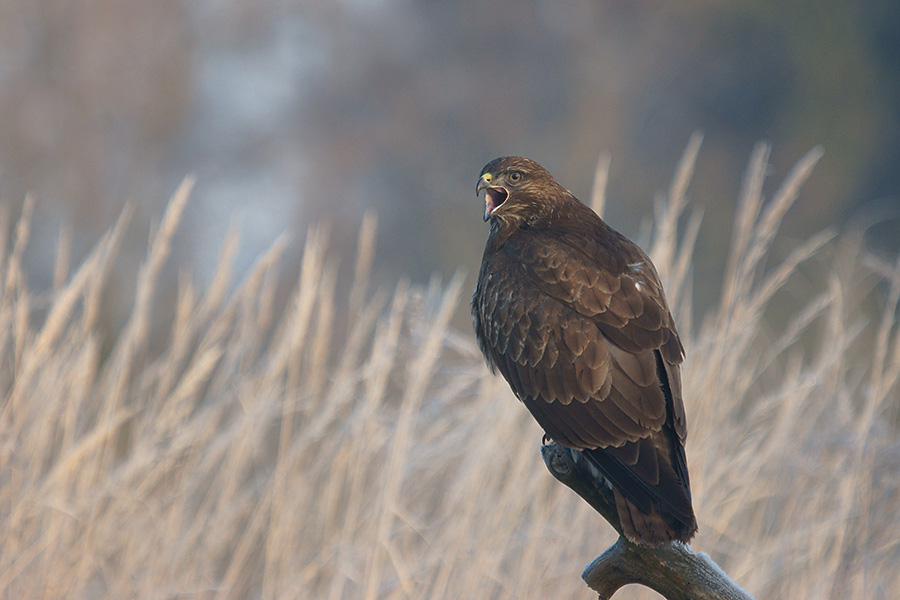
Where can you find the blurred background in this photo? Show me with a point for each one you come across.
(295, 113)
(227, 448)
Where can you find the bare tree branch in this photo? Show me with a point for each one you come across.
(673, 569)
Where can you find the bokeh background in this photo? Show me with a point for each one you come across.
(294, 113)
(168, 432)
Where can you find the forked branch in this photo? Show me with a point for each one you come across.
(673, 569)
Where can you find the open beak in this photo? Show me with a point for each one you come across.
(494, 196)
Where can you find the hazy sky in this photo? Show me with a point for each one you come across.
(290, 113)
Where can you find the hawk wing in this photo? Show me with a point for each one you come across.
(577, 322)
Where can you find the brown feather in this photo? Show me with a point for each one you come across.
(574, 317)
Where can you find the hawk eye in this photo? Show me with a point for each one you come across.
(515, 176)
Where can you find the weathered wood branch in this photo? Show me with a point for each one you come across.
(673, 570)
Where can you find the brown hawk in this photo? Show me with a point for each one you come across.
(574, 317)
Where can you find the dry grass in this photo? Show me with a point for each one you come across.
(258, 456)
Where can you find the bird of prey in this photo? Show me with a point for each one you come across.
(573, 315)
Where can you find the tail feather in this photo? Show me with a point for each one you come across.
(649, 513)
(650, 528)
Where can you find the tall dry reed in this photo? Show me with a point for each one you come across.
(261, 455)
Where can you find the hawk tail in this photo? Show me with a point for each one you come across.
(651, 528)
(648, 515)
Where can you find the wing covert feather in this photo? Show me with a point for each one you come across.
(545, 336)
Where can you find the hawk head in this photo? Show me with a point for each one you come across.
(513, 181)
